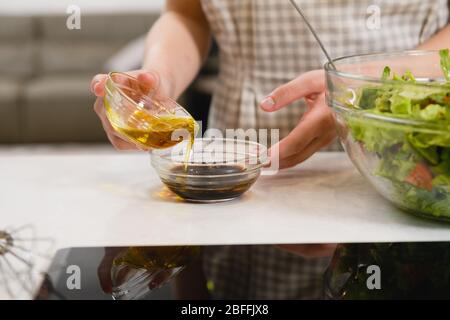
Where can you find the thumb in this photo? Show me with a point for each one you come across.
(148, 81)
(305, 85)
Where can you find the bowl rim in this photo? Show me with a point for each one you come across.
(420, 125)
(254, 168)
(328, 67)
(139, 107)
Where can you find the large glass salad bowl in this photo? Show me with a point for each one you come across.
(393, 118)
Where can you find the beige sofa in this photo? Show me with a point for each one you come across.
(45, 71)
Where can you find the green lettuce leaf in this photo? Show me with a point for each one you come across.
(445, 63)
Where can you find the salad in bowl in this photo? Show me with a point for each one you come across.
(396, 127)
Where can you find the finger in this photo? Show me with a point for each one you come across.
(307, 84)
(104, 276)
(113, 136)
(99, 106)
(122, 145)
(305, 154)
(97, 84)
(314, 123)
(159, 87)
(310, 250)
(116, 140)
(100, 110)
(149, 80)
(104, 269)
(292, 145)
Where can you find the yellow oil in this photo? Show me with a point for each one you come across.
(158, 133)
(160, 264)
(157, 257)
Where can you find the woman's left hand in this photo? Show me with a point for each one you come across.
(309, 250)
(315, 130)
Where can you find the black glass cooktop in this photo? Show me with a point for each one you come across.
(356, 271)
(116, 273)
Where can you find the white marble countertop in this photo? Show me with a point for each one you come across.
(95, 197)
(59, 7)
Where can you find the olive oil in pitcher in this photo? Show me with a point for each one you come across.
(149, 131)
(151, 122)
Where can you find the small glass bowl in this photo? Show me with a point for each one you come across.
(142, 116)
(215, 170)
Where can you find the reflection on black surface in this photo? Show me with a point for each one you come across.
(136, 271)
(117, 272)
(408, 271)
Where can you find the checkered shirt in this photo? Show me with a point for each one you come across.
(263, 44)
(262, 272)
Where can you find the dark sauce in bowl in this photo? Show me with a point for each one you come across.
(210, 182)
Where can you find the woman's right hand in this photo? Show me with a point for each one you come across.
(149, 79)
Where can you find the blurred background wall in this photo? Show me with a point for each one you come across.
(45, 68)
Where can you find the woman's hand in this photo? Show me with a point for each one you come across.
(148, 79)
(315, 130)
(105, 266)
(309, 250)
